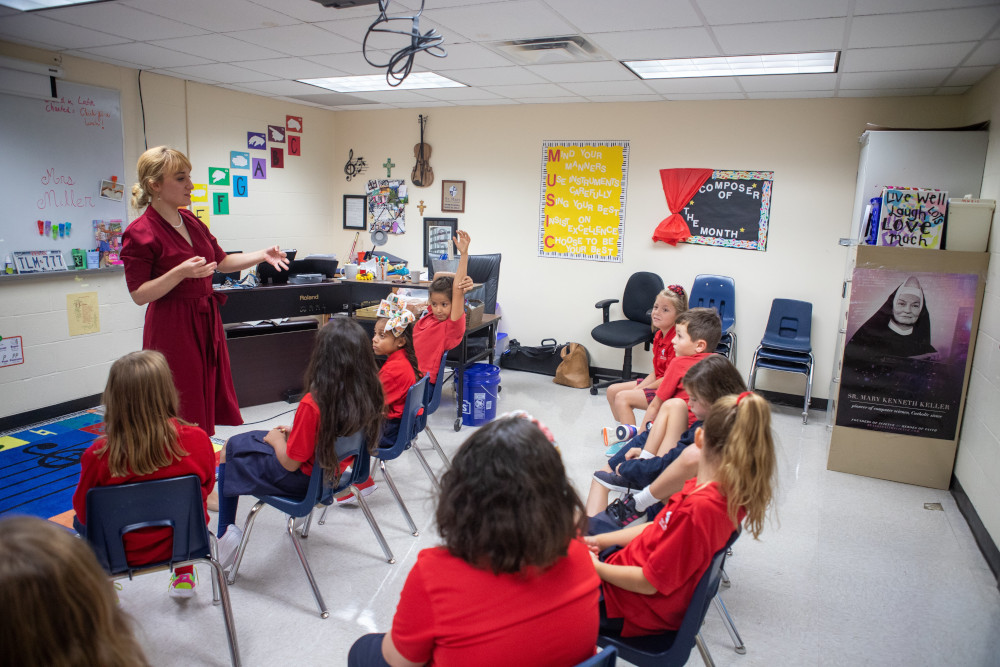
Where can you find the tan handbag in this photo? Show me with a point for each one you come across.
(574, 369)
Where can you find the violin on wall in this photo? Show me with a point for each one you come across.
(422, 175)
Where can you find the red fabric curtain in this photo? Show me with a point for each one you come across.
(679, 185)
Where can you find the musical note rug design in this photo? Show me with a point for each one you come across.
(40, 465)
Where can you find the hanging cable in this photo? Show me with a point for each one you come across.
(401, 63)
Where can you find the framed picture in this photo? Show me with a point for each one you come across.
(354, 212)
(438, 233)
(453, 196)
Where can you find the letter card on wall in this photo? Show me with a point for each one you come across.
(582, 210)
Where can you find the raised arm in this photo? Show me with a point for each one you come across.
(462, 241)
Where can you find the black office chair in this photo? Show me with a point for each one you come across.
(637, 302)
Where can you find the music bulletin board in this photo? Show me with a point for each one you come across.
(582, 210)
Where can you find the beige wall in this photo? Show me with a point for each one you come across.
(977, 465)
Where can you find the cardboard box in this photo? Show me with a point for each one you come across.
(474, 313)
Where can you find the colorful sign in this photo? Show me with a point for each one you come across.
(582, 210)
(731, 209)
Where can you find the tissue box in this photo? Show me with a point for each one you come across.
(474, 313)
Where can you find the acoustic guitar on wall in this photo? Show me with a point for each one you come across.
(422, 175)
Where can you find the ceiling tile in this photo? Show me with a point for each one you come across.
(708, 84)
(423, 104)
(862, 7)
(968, 76)
(608, 88)
(291, 68)
(186, 77)
(312, 12)
(350, 63)
(601, 99)
(393, 96)
(297, 40)
(899, 79)
(726, 12)
(570, 72)
(461, 94)
(604, 16)
(952, 90)
(494, 76)
(279, 87)
(651, 44)
(554, 100)
(530, 90)
(147, 56)
(925, 56)
(221, 72)
(102, 59)
(782, 36)
(123, 21)
(483, 103)
(53, 34)
(988, 53)
(706, 96)
(520, 19)
(220, 48)
(958, 25)
(885, 92)
(789, 94)
(463, 56)
(787, 82)
(217, 15)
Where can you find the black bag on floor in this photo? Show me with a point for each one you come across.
(543, 359)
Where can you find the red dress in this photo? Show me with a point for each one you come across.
(184, 324)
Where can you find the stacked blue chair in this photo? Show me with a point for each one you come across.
(318, 493)
(114, 511)
(674, 647)
(718, 292)
(786, 345)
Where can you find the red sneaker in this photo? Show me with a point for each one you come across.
(366, 487)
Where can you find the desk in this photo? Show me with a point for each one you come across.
(273, 301)
(463, 360)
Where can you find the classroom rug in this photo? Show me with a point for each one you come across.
(40, 465)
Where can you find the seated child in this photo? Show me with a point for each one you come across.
(442, 324)
(624, 397)
(705, 382)
(59, 607)
(343, 397)
(394, 339)
(649, 581)
(144, 439)
(697, 332)
(449, 610)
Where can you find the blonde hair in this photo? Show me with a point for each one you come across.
(679, 301)
(737, 434)
(139, 403)
(60, 606)
(154, 165)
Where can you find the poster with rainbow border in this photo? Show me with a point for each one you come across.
(731, 209)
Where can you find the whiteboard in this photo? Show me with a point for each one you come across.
(55, 156)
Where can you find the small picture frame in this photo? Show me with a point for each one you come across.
(438, 235)
(354, 212)
(453, 196)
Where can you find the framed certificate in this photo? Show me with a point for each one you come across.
(354, 212)
(453, 196)
(438, 233)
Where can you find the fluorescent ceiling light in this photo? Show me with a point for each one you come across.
(782, 63)
(32, 5)
(377, 82)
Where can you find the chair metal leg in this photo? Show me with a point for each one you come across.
(809, 386)
(437, 446)
(374, 525)
(213, 548)
(399, 499)
(322, 516)
(706, 656)
(725, 583)
(732, 346)
(323, 612)
(305, 526)
(218, 580)
(426, 467)
(727, 620)
(247, 528)
(753, 369)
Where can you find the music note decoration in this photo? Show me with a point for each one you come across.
(355, 165)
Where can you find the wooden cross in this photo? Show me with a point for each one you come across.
(421, 206)
(388, 164)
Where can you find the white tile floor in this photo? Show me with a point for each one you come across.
(851, 571)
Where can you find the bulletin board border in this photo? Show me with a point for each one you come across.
(765, 211)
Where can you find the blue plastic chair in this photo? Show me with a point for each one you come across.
(674, 647)
(404, 440)
(432, 400)
(317, 493)
(606, 657)
(786, 345)
(719, 292)
(175, 502)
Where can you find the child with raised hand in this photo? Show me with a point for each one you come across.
(343, 396)
(394, 339)
(707, 381)
(625, 397)
(442, 324)
(59, 606)
(696, 334)
(145, 439)
(648, 583)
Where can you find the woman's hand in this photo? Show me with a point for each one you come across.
(195, 267)
(276, 257)
(462, 240)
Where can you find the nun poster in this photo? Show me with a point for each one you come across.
(907, 342)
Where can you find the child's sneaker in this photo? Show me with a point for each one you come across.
(610, 435)
(622, 511)
(182, 585)
(626, 431)
(228, 545)
(614, 448)
(612, 481)
(366, 488)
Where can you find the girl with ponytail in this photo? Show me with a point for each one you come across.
(649, 579)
